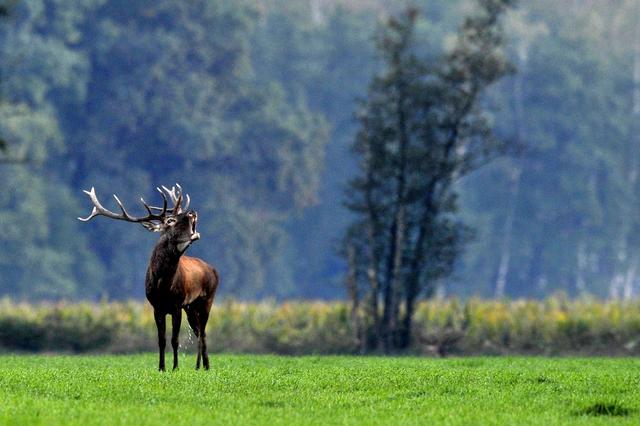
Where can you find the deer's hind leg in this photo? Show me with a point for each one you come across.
(203, 317)
(194, 322)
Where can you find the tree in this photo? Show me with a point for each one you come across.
(569, 109)
(172, 96)
(422, 127)
(127, 95)
(36, 69)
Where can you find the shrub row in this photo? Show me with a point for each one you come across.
(555, 326)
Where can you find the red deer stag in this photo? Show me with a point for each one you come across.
(173, 281)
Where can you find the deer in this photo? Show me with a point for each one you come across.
(174, 281)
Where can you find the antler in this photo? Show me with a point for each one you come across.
(99, 210)
(176, 198)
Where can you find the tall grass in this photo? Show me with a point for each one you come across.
(555, 326)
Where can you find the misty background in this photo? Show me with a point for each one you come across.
(250, 106)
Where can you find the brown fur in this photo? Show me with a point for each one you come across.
(175, 282)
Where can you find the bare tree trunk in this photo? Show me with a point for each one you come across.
(617, 281)
(397, 233)
(514, 187)
(372, 275)
(630, 280)
(505, 252)
(429, 211)
(524, 43)
(535, 270)
(615, 286)
(412, 282)
(396, 279)
(373, 228)
(354, 297)
(581, 265)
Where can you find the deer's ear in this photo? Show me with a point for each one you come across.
(152, 226)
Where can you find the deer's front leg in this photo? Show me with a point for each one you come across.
(175, 332)
(162, 340)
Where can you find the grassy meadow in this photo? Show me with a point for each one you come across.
(267, 389)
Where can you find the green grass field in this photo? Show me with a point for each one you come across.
(318, 390)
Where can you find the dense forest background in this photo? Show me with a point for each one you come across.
(250, 106)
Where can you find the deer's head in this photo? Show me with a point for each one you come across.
(177, 225)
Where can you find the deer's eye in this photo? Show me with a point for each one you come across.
(171, 221)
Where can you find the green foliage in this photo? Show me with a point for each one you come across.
(555, 326)
(250, 106)
(422, 127)
(251, 157)
(570, 190)
(125, 96)
(327, 64)
(318, 390)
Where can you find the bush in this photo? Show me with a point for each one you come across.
(553, 326)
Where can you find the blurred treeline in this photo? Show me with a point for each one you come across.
(554, 326)
(250, 106)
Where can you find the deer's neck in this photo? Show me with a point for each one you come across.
(163, 264)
